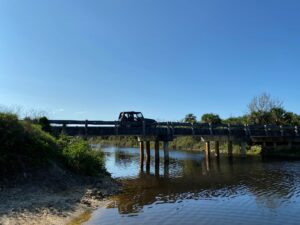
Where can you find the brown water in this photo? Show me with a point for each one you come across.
(192, 190)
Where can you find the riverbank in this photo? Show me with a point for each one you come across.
(53, 196)
(48, 178)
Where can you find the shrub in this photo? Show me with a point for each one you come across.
(23, 145)
(79, 157)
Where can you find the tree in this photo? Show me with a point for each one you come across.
(263, 103)
(190, 118)
(260, 117)
(240, 120)
(45, 124)
(211, 118)
(264, 109)
(278, 116)
(295, 119)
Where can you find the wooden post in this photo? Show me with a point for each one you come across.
(207, 149)
(166, 151)
(229, 148)
(217, 149)
(142, 153)
(266, 130)
(243, 149)
(148, 152)
(156, 151)
(207, 163)
(210, 129)
(193, 130)
(229, 129)
(281, 130)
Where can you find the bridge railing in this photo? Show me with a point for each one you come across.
(175, 128)
(82, 122)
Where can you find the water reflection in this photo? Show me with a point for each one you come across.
(240, 184)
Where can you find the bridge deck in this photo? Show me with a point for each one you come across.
(169, 130)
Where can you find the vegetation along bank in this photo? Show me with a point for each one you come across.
(47, 179)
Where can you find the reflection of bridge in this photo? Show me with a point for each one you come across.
(206, 179)
(166, 131)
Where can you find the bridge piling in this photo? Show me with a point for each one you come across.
(217, 149)
(156, 151)
(207, 149)
(243, 149)
(166, 151)
(148, 155)
(142, 153)
(229, 147)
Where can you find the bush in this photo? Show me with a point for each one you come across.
(79, 157)
(23, 145)
(26, 147)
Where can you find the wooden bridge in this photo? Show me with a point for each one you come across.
(266, 135)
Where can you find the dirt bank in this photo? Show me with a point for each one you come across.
(52, 196)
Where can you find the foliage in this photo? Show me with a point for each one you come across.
(264, 109)
(263, 103)
(115, 140)
(23, 145)
(80, 158)
(254, 150)
(190, 118)
(187, 143)
(236, 120)
(26, 147)
(211, 118)
(44, 123)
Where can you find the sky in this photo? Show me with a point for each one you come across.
(166, 58)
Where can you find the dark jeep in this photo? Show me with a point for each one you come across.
(135, 119)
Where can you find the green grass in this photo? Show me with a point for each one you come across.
(25, 147)
(254, 150)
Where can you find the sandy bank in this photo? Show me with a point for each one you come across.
(53, 196)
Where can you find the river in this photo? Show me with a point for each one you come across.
(193, 190)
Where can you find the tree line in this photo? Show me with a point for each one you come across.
(263, 109)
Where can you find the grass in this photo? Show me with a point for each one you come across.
(25, 147)
(254, 150)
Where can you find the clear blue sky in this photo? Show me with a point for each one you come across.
(92, 59)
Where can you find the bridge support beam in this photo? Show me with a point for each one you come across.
(166, 151)
(142, 153)
(243, 149)
(148, 156)
(217, 149)
(156, 152)
(207, 149)
(229, 146)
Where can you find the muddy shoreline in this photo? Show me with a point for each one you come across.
(53, 196)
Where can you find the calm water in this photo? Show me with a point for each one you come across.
(192, 190)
